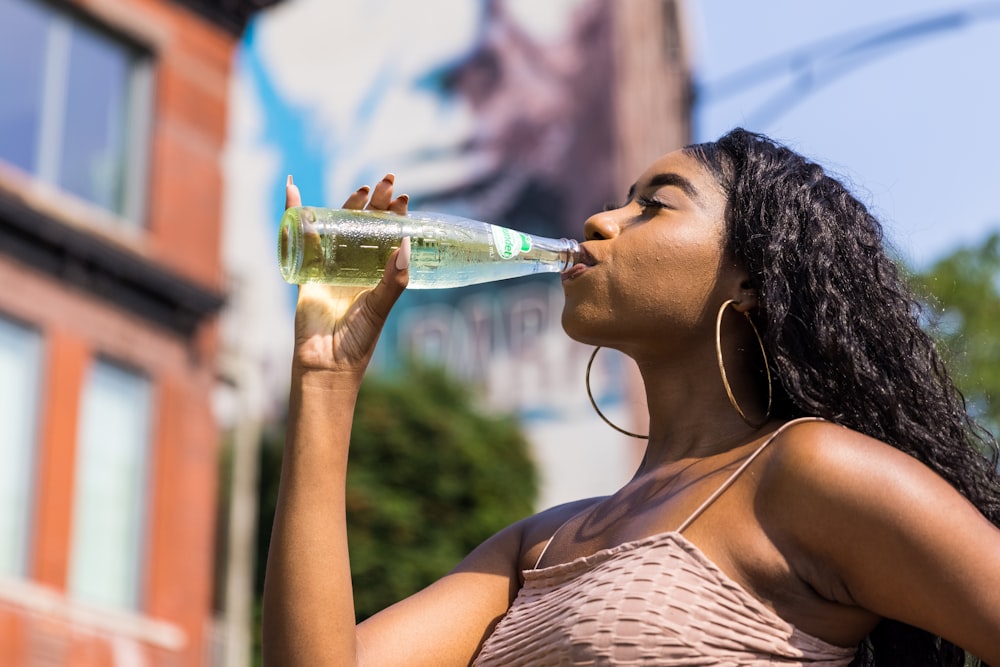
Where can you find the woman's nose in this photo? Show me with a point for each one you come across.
(600, 226)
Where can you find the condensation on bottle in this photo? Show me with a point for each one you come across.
(351, 247)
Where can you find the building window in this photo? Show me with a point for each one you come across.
(74, 105)
(20, 370)
(110, 490)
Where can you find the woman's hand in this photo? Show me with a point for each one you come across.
(336, 328)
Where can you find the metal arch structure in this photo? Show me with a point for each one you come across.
(818, 64)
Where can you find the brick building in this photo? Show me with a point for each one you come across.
(112, 118)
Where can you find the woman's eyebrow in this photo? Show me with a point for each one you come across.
(669, 178)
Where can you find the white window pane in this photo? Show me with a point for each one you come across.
(92, 164)
(110, 488)
(23, 34)
(20, 364)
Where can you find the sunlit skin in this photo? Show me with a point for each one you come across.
(653, 266)
(656, 273)
(829, 528)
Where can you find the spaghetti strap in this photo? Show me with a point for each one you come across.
(549, 541)
(739, 471)
(546, 547)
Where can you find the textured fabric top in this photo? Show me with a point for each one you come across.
(654, 601)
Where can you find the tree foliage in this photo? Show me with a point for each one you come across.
(430, 476)
(962, 290)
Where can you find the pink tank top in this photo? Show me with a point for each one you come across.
(654, 601)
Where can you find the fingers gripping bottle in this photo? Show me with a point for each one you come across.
(351, 247)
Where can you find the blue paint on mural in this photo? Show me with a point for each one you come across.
(285, 127)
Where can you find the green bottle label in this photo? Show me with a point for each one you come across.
(508, 242)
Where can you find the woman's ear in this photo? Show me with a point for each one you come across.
(746, 298)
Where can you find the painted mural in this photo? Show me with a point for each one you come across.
(499, 110)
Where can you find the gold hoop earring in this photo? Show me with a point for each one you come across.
(600, 414)
(722, 367)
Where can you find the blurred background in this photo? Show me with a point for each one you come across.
(145, 330)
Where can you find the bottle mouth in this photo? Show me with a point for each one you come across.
(572, 253)
(290, 245)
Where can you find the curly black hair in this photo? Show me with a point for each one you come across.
(843, 333)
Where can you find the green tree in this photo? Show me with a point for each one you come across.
(962, 290)
(431, 475)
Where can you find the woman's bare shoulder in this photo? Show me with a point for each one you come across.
(833, 493)
(885, 530)
(821, 455)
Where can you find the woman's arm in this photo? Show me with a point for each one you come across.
(308, 614)
(896, 536)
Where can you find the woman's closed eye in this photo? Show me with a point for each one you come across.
(647, 202)
(643, 202)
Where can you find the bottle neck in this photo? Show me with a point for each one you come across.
(567, 249)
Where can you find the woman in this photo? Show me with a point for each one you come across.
(812, 490)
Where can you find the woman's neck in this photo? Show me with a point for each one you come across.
(690, 414)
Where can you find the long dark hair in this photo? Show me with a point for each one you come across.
(843, 334)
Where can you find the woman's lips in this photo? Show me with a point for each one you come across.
(583, 262)
(574, 271)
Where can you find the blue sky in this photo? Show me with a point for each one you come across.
(913, 125)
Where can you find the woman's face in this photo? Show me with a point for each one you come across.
(655, 270)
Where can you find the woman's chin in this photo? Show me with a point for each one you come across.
(586, 330)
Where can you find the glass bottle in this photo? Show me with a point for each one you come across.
(351, 247)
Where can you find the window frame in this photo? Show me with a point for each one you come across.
(138, 112)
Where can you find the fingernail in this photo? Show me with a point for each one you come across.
(404, 198)
(403, 256)
(363, 189)
(288, 181)
(390, 178)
